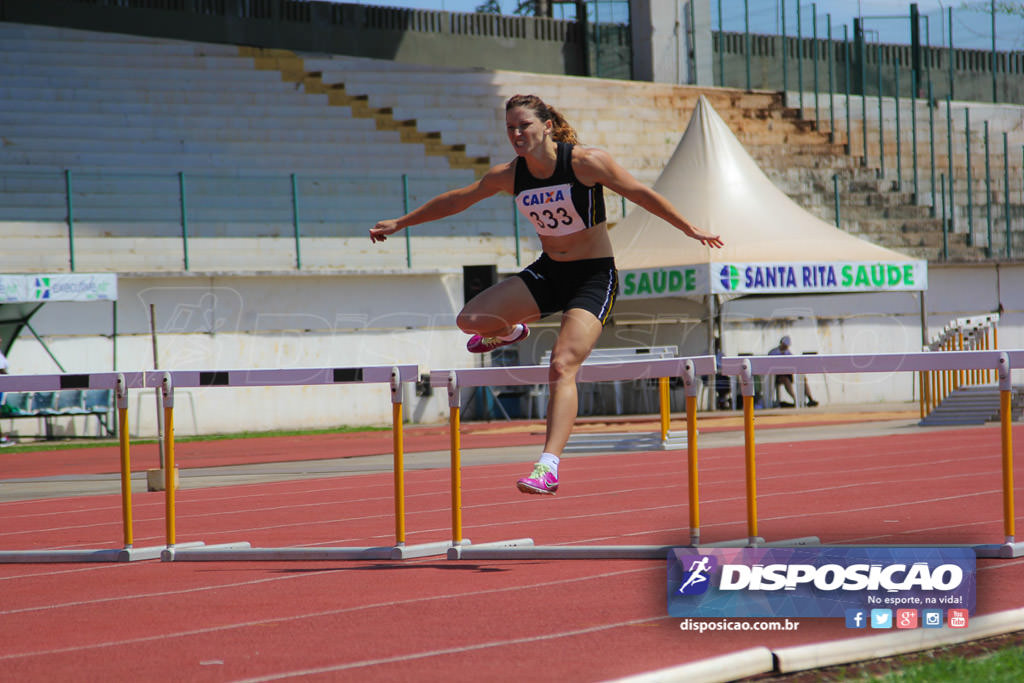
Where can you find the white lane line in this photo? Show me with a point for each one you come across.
(312, 615)
(449, 651)
(106, 565)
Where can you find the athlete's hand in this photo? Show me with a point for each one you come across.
(380, 232)
(710, 240)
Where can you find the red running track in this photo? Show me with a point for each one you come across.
(431, 619)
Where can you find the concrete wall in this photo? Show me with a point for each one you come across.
(672, 41)
(220, 322)
(248, 322)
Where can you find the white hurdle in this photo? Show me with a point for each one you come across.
(395, 376)
(1000, 361)
(119, 382)
(524, 548)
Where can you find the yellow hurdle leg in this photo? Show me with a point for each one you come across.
(986, 375)
(169, 472)
(922, 392)
(929, 378)
(1007, 434)
(748, 440)
(960, 374)
(933, 387)
(126, 476)
(664, 405)
(456, 467)
(691, 465)
(399, 468)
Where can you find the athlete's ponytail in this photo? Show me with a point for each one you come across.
(561, 130)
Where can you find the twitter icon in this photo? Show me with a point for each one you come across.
(881, 618)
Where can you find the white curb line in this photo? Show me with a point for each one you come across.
(802, 657)
(756, 660)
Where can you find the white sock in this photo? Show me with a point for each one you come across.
(551, 460)
(516, 331)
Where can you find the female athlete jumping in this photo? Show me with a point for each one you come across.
(557, 185)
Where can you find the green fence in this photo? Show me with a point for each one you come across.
(894, 107)
(190, 205)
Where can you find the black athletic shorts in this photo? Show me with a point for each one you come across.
(557, 286)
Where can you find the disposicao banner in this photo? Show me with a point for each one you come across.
(835, 581)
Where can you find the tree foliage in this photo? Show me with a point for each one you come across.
(1008, 7)
(527, 8)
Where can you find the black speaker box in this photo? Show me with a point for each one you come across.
(476, 279)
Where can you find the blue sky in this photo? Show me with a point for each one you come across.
(971, 21)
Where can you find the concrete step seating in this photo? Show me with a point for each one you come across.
(117, 87)
(278, 150)
(13, 57)
(210, 117)
(974, 405)
(145, 93)
(136, 75)
(83, 44)
(408, 93)
(771, 133)
(29, 130)
(126, 110)
(161, 123)
(210, 160)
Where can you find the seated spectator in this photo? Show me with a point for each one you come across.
(786, 381)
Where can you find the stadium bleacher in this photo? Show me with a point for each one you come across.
(143, 140)
(128, 125)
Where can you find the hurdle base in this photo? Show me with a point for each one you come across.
(126, 554)
(244, 552)
(757, 542)
(1000, 550)
(406, 552)
(523, 549)
(615, 442)
(480, 550)
(786, 543)
(173, 553)
(734, 543)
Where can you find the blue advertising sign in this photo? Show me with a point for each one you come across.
(847, 583)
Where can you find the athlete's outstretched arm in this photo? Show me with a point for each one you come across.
(597, 166)
(498, 179)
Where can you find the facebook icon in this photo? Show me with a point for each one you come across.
(856, 618)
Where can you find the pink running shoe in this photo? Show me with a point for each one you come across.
(541, 480)
(478, 344)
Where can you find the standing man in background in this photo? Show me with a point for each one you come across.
(786, 381)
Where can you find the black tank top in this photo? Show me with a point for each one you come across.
(559, 205)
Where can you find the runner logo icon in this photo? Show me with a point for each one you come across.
(697, 576)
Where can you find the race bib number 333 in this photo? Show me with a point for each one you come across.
(551, 210)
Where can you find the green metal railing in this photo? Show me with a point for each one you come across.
(187, 206)
(882, 72)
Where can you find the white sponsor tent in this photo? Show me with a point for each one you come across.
(772, 245)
